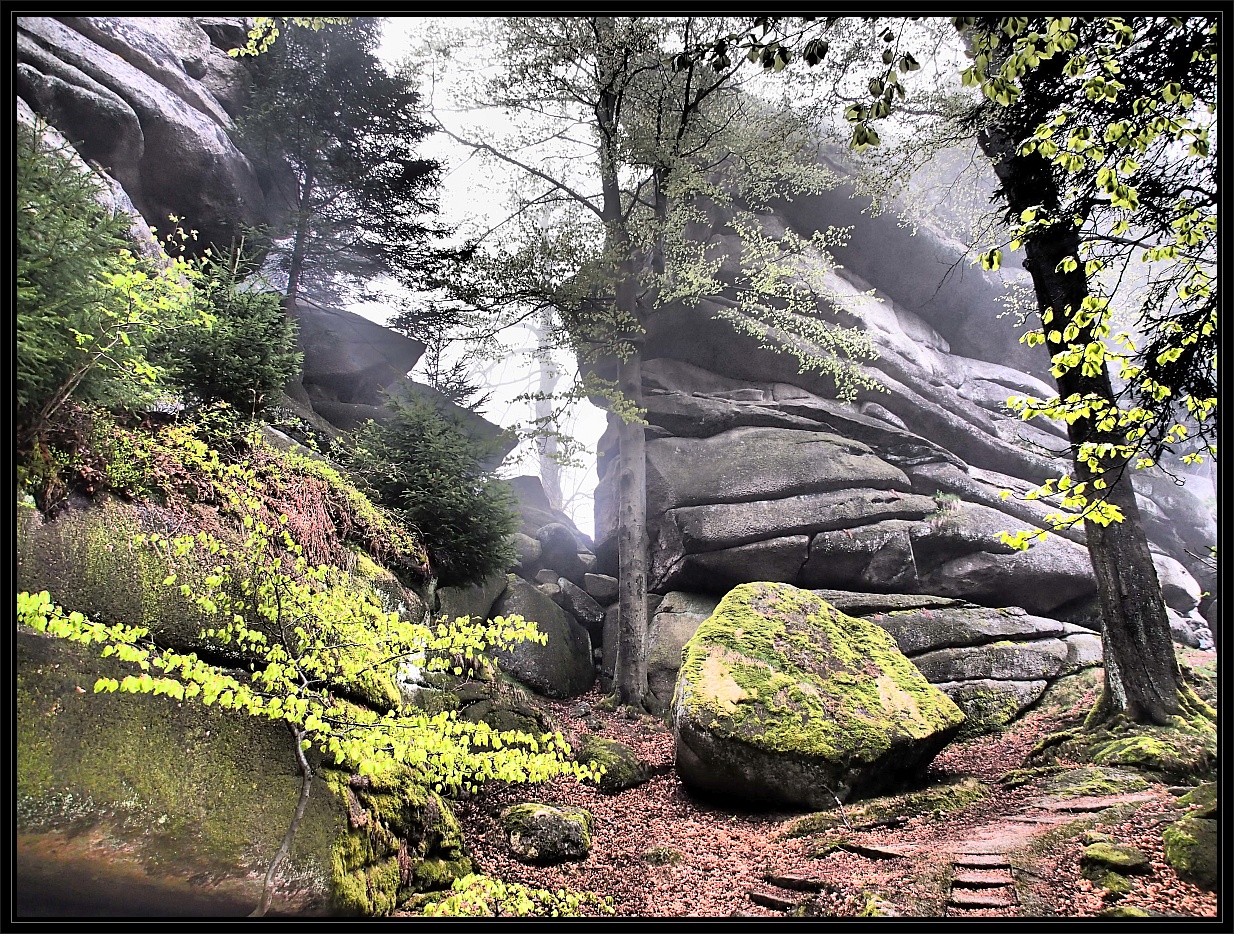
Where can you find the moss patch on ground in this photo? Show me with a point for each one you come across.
(934, 801)
(1185, 752)
(1093, 781)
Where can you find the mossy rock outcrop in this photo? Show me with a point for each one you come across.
(401, 839)
(86, 559)
(198, 791)
(1100, 858)
(541, 833)
(187, 788)
(1191, 848)
(783, 700)
(1191, 843)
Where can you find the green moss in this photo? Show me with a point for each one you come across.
(662, 856)
(1191, 848)
(778, 666)
(542, 833)
(1183, 752)
(1124, 911)
(621, 766)
(187, 785)
(1103, 857)
(1094, 781)
(985, 710)
(401, 838)
(1115, 884)
(934, 801)
(1203, 799)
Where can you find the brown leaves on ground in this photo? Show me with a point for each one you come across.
(657, 851)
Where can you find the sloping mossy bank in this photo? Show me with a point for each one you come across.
(189, 790)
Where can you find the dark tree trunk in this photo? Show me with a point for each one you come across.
(1142, 679)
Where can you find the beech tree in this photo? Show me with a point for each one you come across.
(358, 192)
(638, 147)
(1101, 131)
(1101, 141)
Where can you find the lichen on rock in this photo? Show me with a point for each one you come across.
(781, 699)
(541, 833)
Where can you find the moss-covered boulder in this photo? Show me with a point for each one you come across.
(1100, 858)
(541, 833)
(783, 700)
(621, 765)
(1191, 848)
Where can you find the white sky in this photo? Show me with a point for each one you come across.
(470, 192)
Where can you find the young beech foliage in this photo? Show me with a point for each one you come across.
(313, 646)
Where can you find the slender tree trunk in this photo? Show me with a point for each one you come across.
(1142, 679)
(306, 787)
(548, 377)
(630, 676)
(300, 245)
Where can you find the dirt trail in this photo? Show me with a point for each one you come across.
(660, 852)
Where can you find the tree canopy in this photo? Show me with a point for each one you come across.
(359, 195)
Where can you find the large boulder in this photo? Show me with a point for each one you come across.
(563, 667)
(542, 833)
(784, 701)
(135, 794)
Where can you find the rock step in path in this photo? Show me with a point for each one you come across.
(983, 882)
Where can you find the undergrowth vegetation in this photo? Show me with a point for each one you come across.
(141, 379)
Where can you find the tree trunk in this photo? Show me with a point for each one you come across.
(547, 444)
(630, 676)
(306, 787)
(300, 245)
(1142, 679)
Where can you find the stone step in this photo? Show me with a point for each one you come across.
(774, 900)
(1039, 818)
(982, 879)
(1089, 804)
(877, 852)
(981, 861)
(795, 882)
(985, 898)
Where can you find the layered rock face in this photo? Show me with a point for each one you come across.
(757, 471)
(150, 101)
